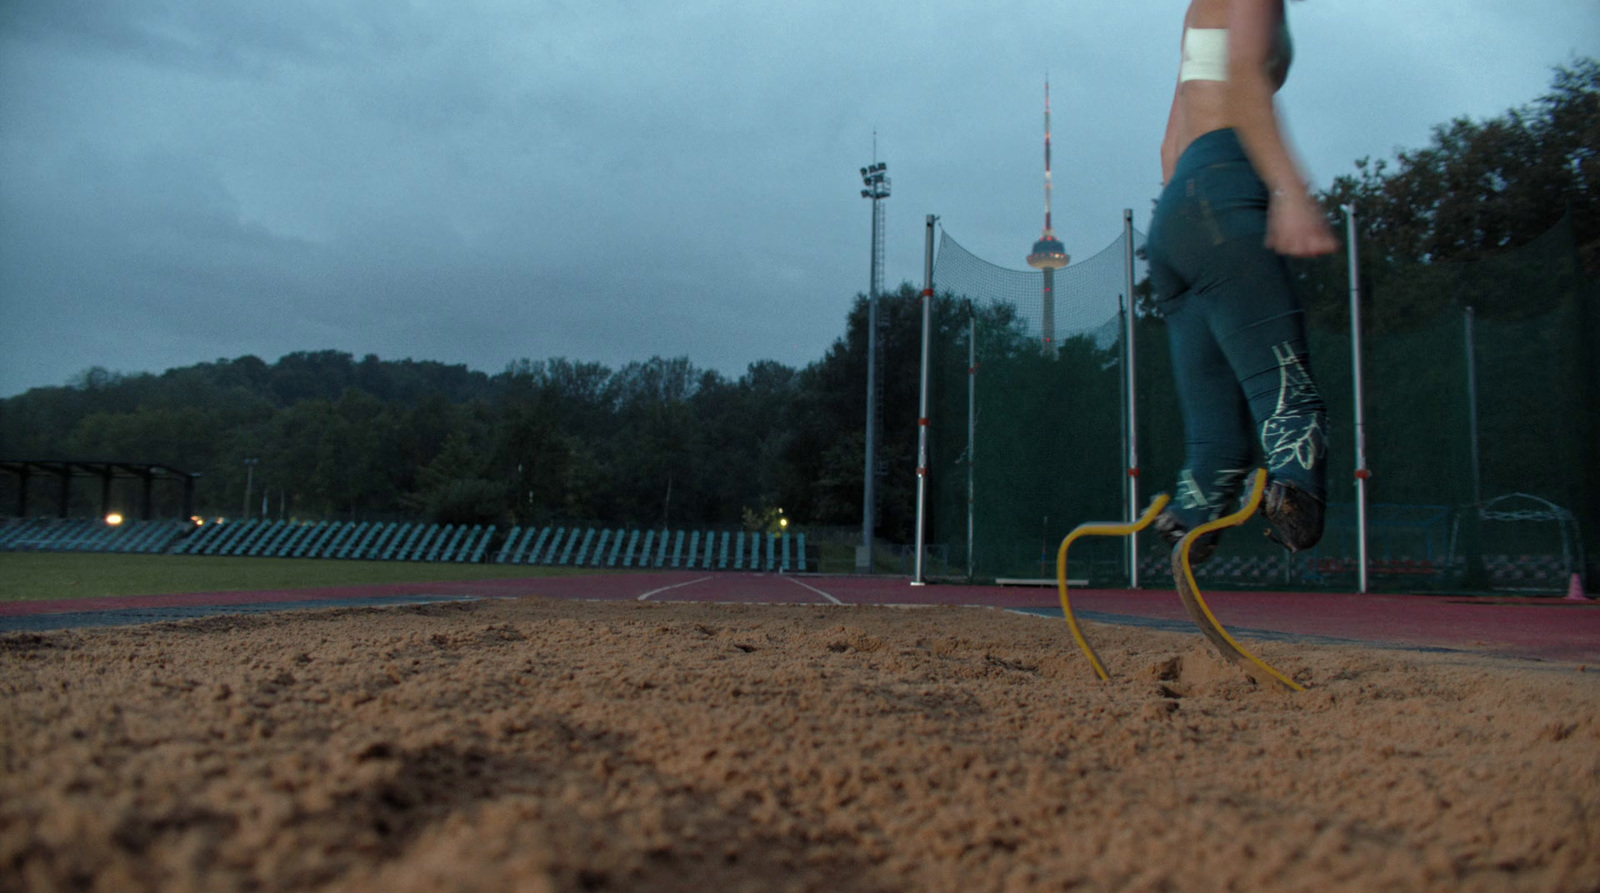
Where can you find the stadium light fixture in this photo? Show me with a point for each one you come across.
(875, 178)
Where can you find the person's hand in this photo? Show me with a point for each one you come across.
(1296, 226)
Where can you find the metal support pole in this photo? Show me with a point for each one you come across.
(923, 420)
(972, 426)
(1133, 401)
(249, 481)
(870, 472)
(876, 180)
(1362, 472)
(1472, 407)
(1122, 415)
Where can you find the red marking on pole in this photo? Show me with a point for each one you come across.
(922, 471)
(1133, 472)
(924, 422)
(927, 293)
(1363, 473)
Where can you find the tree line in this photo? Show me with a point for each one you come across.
(659, 442)
(1478, 190)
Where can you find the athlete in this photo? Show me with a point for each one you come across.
(1234, 205)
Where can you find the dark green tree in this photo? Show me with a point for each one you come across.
(1479, 189)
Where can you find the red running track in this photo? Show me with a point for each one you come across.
(1549, 629)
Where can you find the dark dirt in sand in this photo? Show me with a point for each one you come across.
(568, 746)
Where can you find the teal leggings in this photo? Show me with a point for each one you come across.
(1237, 333)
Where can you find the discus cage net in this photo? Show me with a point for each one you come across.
(1482, 431)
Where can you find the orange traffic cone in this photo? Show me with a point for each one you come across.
(1575, 590)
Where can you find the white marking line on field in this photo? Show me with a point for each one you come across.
(816, 590)
(673, 586)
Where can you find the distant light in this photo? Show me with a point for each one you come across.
(198, 521)
(783, 522)
(113, 519)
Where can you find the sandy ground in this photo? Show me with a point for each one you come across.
(545, 745)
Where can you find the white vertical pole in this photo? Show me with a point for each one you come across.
(1122, 406)
(1362, 472)
(972, 426)
(923, 420)
(1133, 403)
(1472, 407)
(869, 496)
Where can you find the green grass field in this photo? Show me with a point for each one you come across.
(25, 576)
(64, 575)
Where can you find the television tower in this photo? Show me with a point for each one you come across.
(1048, 254)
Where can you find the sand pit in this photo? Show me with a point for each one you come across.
(567, 746)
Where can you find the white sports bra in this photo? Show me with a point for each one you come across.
(1205, 54)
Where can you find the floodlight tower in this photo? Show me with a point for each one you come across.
(875, 179)
(1048, 254)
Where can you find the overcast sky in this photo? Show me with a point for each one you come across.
(474, 181)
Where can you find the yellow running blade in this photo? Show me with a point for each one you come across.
(1189, 591)
(1098, 528)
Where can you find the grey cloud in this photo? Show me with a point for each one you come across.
(481, 181)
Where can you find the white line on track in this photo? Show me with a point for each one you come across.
(814, 589)
(673, 586)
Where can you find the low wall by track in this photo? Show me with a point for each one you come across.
(555, 546)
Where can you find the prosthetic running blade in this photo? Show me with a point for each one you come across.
(1189, 591)
(1098, 528)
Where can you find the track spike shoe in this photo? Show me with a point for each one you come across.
(1172, 530)
(1294, 516)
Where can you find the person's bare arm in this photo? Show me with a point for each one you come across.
(1295, 224)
